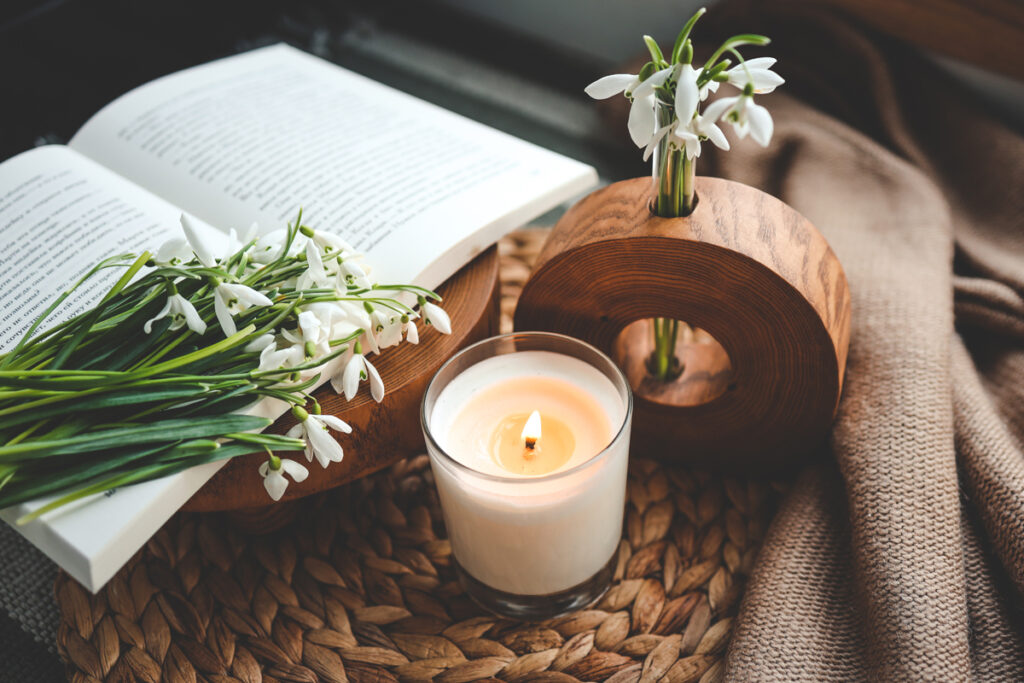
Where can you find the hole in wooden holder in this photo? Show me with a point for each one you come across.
(706, 369)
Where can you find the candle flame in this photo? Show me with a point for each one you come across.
(531, 430)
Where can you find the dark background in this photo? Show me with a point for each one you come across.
(63, 60)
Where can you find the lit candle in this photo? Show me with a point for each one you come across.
(528, 436)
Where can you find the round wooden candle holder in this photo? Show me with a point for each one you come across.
(383, 433)
(745, 267)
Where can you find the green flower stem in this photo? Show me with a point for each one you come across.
(675, 196)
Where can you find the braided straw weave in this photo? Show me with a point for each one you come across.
(360, 587)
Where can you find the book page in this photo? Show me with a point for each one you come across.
(60, 214)
(255, 137)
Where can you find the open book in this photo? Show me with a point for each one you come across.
(251, 138)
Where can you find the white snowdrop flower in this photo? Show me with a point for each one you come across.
(435, 315)
(259, 343)
(706, 127)
(681, 137)
(200, 247)
(273, 358)
(173, 252)
(387, 328)
(758, 73)
(269, 247)
(676, 136)
(687, 94)
(230, 299)
(745, 115)
(182, 313)
(356, 369)
(641, 122)
(608, 86)
(351, 274)
(273, 472)
(332, 244)
(315, 264)
(313, 335)
(319, 442)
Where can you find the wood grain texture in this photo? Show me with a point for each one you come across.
(382, 433)
(745, 267)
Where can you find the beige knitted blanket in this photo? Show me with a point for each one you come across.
(899, 554)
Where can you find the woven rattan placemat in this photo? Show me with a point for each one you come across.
(360, 587)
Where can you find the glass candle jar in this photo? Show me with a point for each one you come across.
(528, 438)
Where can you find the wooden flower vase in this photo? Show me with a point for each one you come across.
(762, 374)
(382, 433)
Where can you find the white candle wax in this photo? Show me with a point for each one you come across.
(531, 535)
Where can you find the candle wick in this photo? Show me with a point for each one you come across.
(531, 443)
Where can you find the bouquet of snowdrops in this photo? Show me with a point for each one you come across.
(669, 120)
(156, 377)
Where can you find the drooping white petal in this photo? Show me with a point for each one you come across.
(659, 135)
(715, 135)
(641, 122)
(259, 344)
(766, 81)
(297, 470)
(761, 62)
(687, 95)
(688, 141)
(148, 327)
(605, 87)
(192, 319)
(220, 308)
(351, 375)
(436, 316)
(315, 263)
(376, 384)
(716, 109)
(325, 448)
(275, 484)
(174, 251)
(761, 125)
(200, 248)
(296, 431)
(310, 326)
(412, 335)
(335, 422)
(756, 72)
(246, 295)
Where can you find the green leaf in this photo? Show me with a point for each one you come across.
(156, 432)
(129, 397)
(655, 50)
(111, 262)
(684, 34)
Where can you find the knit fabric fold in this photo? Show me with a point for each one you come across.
(899, 554)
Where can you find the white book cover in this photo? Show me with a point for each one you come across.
(251, 138)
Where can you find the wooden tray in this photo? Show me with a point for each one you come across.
(382, 433)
